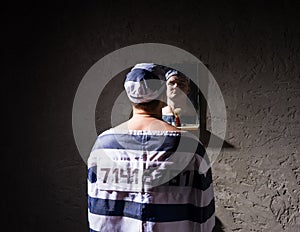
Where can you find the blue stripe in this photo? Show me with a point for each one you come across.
(202, 181)
(148, 142)
(168, 118)
(137, 142)
(92, 174)
(138, 75)
(151, 212)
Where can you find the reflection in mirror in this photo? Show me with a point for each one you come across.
(183, 102)
(113, 107)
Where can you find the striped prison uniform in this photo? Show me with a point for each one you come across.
(149, 181)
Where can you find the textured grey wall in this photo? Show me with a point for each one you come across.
(252, 49)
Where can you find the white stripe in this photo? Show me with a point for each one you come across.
(113, 223)
(124, 170)
(182, 159)
(116, 172)
(125, 224)
(162, 195)
(139, 92)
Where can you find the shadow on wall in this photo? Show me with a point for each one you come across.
(219, 226)
(206, 135)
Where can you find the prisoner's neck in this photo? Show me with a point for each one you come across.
(143, 120)
(140, 113)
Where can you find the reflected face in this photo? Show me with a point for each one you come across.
(177, 86)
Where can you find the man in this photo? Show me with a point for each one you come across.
(179, 110)
(146, 175)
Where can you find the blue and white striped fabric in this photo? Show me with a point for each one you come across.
(120, 199)
(173, 72)
(145, 82)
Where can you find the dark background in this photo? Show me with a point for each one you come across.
(47, 49)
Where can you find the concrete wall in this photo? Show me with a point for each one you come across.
(252, 48)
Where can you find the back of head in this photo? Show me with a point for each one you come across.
(145, 83)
